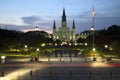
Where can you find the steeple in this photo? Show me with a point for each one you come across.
(63, 15)
(73, 27)
(54, 25)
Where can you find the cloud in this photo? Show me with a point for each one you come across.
(44, 23)
(37, 20)
(83, 22)
(84, 14)
(31, 19)
(14, 27)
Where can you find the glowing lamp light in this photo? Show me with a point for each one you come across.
(94, 49)
(37, 49)
(25, 46)
(106, 46)
(3, 60)
(3, 57)
(79, 53)
(86, 44)
(69, 44)
(43, 44)
(75, 44)
(55, 44)
(92, 29)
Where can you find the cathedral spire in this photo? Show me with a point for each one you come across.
(73, 27)
(64, 15)
(54, 25)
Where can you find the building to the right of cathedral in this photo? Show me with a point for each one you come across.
(64, 33)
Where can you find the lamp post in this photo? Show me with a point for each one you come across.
(93, 29)
(26, 48)
(55, 44)
(3, 59)
(75, 50)
(86, 44)
(106, 46)
(37, 57)
(37, 49)
(55, 50)
(93, 33)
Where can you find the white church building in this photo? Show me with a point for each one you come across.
(64, 33)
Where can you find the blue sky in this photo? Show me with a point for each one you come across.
(24, 15)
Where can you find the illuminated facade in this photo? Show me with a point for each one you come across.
(64, 34)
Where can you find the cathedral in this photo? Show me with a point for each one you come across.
(64, 34)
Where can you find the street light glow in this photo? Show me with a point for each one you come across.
(55, 44)
(15, 75)
(96, 64)
(106, 46)
(69, 44)
(3, 57)
(43, 44)
(25, 46)
(94, 49)
(86, 44)
(75, 44)
(37, 49)
(92, 29)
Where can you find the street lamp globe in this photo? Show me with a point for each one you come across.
(94, 49)
(26, 46)
(37, 49)
(86, 44)
(75, 44)
(106, 46)
(3, 57)
(92, 29)
(55, 44)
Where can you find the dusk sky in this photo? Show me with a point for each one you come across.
(24, 15)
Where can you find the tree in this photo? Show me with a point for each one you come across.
(114, 30)
(81, 40)
(115, 45)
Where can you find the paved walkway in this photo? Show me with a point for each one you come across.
(62, 60)
(78, 59)
(25, 74)
(61, 75)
